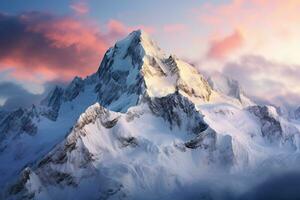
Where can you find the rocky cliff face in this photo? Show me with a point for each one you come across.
(59, 95)
(18, 122)
(270, 126)
(297, 113)
(52, 103)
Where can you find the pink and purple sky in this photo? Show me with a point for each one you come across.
(256, 42)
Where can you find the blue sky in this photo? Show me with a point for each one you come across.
(52, 41)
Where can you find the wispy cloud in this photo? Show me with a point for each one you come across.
(16, 96)
(266, 80)
(222, 47)
(80, 7)
(116, 27)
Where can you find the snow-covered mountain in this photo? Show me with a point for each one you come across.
(144, 126)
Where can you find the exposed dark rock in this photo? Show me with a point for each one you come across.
(158, 70)
(128, 141)
(74, 89)
(63, 178)
(270, 127)
(183, 86)
(98, 112)
(297, 113)
(9, 123)
(174, 108)
(2, 115)
(54, 98)
(60, 157)
(110, 123)
(20, 185)
(114, 80)
(131, 115)
(205, 140)
(133, 51)
(181, 147)
(52, 102)
(45, 161)
(171, 62)
(70, 145)
(18, 122)
(110, 192)
(59, 95)
(28, 126)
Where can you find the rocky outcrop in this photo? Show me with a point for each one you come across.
(114, 75)
(297, 113)
(177, 110)
(270, 126)
(52, 103)
(205, 139)
(18, 122)
(20, 184)
(2, 115)
(74, 89)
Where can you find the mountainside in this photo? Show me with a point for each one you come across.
(144, 126)
(135, 67)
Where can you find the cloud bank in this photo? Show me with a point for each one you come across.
(43, 47)
(266, 80)
(16, 96)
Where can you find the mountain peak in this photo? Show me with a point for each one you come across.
(140, 43)
(138, 33)
(136, 67)
(142, 35)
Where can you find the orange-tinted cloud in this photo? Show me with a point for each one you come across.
(41, 47)
(80, 8)
(116, 27)
(221, 48)
(269, 27)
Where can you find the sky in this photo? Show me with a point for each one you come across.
(257, 42)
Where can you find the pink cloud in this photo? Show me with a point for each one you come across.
(251, 15)
(269, 27)
(221, 48)
(116, 27)
(80, 8)
(43, 47)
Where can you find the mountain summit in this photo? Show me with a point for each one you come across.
(136, 67)
(144, 126)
